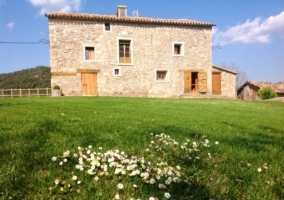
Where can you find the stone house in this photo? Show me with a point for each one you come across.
(118, 55)
(248, 91)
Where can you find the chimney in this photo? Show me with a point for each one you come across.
(121, 11)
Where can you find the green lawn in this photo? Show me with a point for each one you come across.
(250, 134)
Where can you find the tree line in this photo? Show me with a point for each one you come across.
(38, 77)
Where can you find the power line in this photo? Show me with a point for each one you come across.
(42, 41)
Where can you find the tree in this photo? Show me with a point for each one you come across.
(241, 77)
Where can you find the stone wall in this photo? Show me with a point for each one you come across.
(152, 50)
(228, 83)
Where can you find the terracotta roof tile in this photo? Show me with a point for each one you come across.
(277, 87)
(84, 16)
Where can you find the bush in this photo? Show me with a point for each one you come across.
(266, 93)
(56, 87)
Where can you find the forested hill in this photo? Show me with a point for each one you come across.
(38, 77)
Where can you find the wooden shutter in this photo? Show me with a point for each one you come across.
(202, 82)
(187, 81)
(124, 51)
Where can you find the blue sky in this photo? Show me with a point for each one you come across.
(250, 33)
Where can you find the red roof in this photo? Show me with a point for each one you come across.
(144, 20)
(277, 87)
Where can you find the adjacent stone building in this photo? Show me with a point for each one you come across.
(248, 91)
(118, 55)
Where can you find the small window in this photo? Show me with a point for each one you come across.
(124, 51)
(116, 71)
(162, 76)
(89, 53)
(178, 49)
(107, 27)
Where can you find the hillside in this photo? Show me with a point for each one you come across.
(38, 77)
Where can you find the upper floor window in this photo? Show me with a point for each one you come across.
(107, 27)
(178, 48)
(125, 51)
(89, 53)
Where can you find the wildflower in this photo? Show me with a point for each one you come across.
(74, 178)
(248, 164)
(62, 114)
(152, 198)
(265, 166)
(66, 153)
(75, 155)
(167, 195)
(116, 196)
(120, 186)
(90, 146)
(61, 163)
(259, 169)
(161, 186)
(54, 158)
(152, 181)
(56, 181)
(96, 178)
(78, 182)
(216, 142)
(176, 179)
(64, 160)
(135, 186)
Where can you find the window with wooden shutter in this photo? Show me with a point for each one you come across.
(89, 53)
(124, 51)
(202, 82)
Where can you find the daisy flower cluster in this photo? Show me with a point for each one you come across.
(155, 166)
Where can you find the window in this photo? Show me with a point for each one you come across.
(89, 53)
(125, 51)
(116, 71)
(178, 49)
(162, 76)
(107, 27)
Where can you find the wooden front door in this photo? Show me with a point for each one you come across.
(195, 82)
(89, 83)
(216, 83)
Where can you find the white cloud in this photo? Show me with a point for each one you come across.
(252, 31)
(57, 5)
(10, 25)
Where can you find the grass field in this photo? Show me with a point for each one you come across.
(248, 163)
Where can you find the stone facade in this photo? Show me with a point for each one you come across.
(151, 49)
(228, 81)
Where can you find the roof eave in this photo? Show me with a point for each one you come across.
(89, 17)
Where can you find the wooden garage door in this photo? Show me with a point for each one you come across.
(216, 83)
(89, 83)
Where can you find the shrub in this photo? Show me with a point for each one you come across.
(56, 87)
(266, 93)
